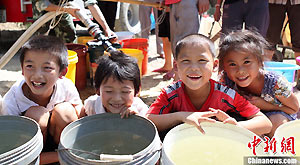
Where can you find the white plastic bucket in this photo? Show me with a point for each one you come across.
(286, 131)
(224, 144)
(102, 139)
(21, 140)
(124, 35)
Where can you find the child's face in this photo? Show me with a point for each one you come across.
(116, 95)
(241, 67)
(195, 65)
(41, 72)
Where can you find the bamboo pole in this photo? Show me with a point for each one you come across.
(137, 2)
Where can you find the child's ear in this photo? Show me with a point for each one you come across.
(63, 72)
(216, 65)
(175, 66)
(98, 91)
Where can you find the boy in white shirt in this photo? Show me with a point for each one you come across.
(44, 94)
(117, 83)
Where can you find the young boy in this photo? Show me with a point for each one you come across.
(44, 94)
(196, 97)
(117, 82)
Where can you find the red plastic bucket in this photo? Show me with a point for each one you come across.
(80, 78)
(141, 44)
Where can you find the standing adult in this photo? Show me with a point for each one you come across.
(109, 10)
(184, 18)
(144, 17)
(65, 29)
(278, 10)
(254, 13)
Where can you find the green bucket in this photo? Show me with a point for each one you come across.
(108, 139)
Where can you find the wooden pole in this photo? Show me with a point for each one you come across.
(156, 5)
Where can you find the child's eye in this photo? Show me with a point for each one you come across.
(28, 66)
(48, 68)
(108, 91)
(203, 60)
(185, 61)
(232, 64)
(247, 62)
(126, 92)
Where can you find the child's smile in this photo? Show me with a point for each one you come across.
(40, 70)
(195, 66)
(242, 68)
(38, 84)
(116, 96)
(194, 77)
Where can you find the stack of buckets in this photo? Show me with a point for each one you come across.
(21, 140)
(72, 60)
(140, 44)
(137, 48)
(77, 64)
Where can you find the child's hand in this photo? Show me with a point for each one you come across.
(195, 118)
(257, 101)
(126, 111)
(224, 117)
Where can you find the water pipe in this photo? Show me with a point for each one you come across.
(26, 35)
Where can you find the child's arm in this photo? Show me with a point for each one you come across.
(290, 105)
(166, 121)
(258, 123)
(82, 113)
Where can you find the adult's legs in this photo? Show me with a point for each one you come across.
(184, 20)
(277, 16)
(232, 18)
(144, 16)
(159, 42)
(164, 34)
(293, 16)
(257, 16)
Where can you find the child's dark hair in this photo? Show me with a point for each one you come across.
(119, 66)
(50, 44)
(195, 39)
(243, 41)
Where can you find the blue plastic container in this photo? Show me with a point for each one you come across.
(285, 69)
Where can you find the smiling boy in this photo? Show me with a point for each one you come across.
(44, 94)
(195, 98)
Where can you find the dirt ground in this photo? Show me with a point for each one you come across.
(152, 82)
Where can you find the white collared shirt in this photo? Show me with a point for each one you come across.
(15, 102)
